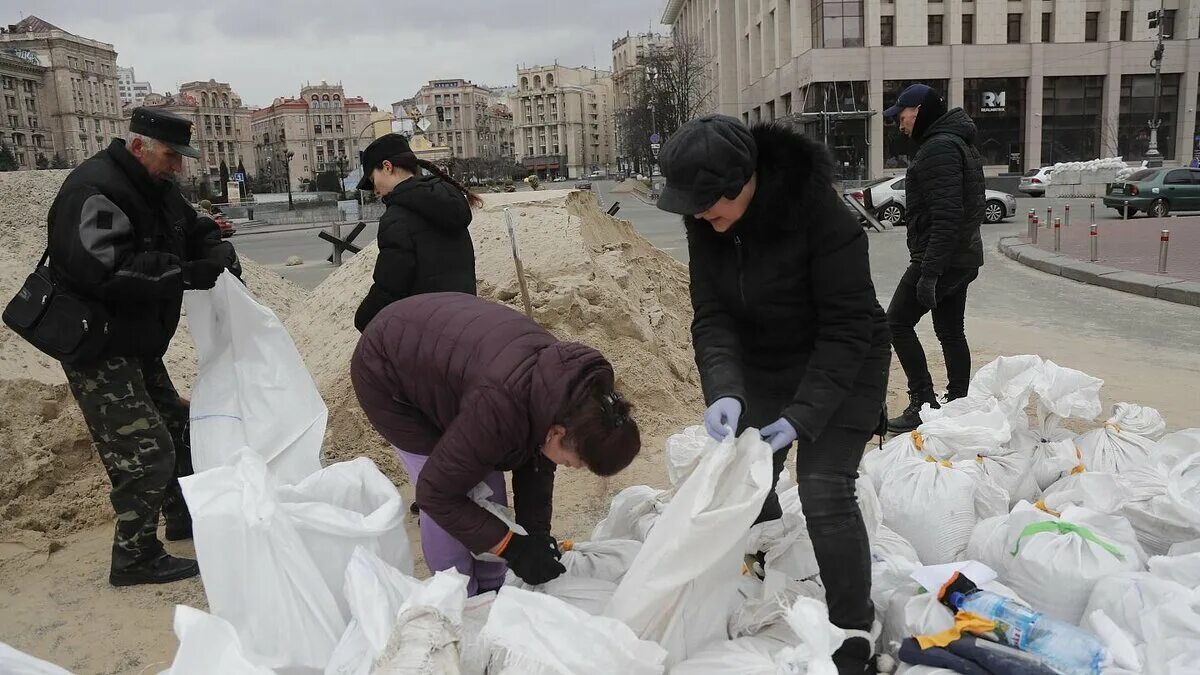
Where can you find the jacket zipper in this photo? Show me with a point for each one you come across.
(737, 244)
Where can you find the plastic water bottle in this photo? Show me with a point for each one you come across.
(1061, 646)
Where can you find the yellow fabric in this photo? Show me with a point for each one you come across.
(1080, 468)
(964, 622)
(945, 462)
(566, 545)
(1114, 426)
(918, 440)
(1041, 506)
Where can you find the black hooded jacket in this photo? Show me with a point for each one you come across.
(424, 245)
(945, 195)
(786, 317)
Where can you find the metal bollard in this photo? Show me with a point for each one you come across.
(1067, 215)
(1094, 244)
(1049, 216)
(1164, 240)
(1093, 219)
(1029, 225)
(1057, 235)
(1126, 209)
(1036, 227)
(337, 252)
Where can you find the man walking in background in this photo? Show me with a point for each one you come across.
(945, 194)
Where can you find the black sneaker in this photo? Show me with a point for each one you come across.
(911, 417)
(161, 570)
(178, 530)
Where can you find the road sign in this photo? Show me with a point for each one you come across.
(655, 139)
(239, 177)
(424, 125)
(654, 149)
(422, 107)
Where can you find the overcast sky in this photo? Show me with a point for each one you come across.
(382, 51)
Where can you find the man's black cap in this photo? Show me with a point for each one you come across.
(708, 158)
(387, 147)
(168, 128)
(912, 96)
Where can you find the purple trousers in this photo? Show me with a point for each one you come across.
(442, 551)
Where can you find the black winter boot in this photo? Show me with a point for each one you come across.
(855, 657)
(163, 569)
(911, 417)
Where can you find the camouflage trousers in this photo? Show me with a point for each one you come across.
(139, 426)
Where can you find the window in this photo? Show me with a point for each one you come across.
(968, 29)
(887, 31)
(1014, 29)
(935, 29)
(1091, 27)
(1125, 33)
(1176, 177)
(1047, 26)
(1168, 23)
(837, 23)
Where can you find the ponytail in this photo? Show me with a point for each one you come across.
(601, 429)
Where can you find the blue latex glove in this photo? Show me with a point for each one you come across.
(927, 291)
(721, 418)
(779, 434)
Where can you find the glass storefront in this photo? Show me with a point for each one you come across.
(1071, 107)
(997, 105)
(837, 23)
(1137, 107)
(898, 149)
(837, 113)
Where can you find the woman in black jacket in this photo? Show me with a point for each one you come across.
(424, 245)
(788, 333)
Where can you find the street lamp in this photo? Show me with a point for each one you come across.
(341, 167)
(287, 174)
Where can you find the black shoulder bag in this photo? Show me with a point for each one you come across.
(63, 326)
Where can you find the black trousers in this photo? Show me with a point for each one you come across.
(826, 470)
(906, 311)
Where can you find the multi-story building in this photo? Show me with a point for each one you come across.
(1050, 81)
(629, 72)
(466, 118)
(129, 89)
(79, 86)
(564, 120)
(322, 130)
(24, 113)
(220, 130)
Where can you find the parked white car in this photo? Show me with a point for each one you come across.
(887, 198)
(1034, 181)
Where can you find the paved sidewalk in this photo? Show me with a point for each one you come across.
(1128, 256)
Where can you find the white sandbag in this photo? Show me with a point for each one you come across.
(1183, 487)
(924, 614)
(877, 463)
(818, 639)
(375, 591)
(428, 627)
(1066, 393)
(1100, 492)
(345, 506)
(683, 452)
(1117, 446)
(786, 546)
(1055, 562)
(607, 560)
(868, 505)
(476, 653)
(1055, 456)
(681, 588)
(542, 635)
(632, 514)
(1011, 381)
(744, 655)
(958, 407)
(1175, 447)
(936, 505)
(207, 644)
(1173, 636)
(1125, 598)
(766, 615)
(15, 662)
(258, 573)
(590, 595)
(252, 388)
(1182, 568)
(1159, 519)
(889, 545)
(965, 436)
(1119, 643)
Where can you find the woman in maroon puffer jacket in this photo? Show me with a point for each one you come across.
(464, 389)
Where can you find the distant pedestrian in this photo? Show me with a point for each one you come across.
(788, 333)
(424, 244)
(122, 236)
(945, 195)
(465, 389)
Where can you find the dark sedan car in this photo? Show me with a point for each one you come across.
(1156, 192)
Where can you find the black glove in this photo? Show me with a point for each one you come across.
(201, 275)
(534, 558)
(927, 290)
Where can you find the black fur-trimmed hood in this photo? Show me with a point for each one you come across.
(795, 177)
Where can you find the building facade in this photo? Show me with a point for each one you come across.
(129, 89)
(565, 121)
(1045, 81)
(79, 86)
(467, 118)
(298, 138)
(629, 72)
(24, 114)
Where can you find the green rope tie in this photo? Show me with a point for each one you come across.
(1060, 527)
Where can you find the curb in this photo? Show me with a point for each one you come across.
(1136, 283)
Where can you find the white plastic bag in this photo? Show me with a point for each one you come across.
(342, 507)
(15, 662)
(1159, 519)
(786, 546)
(818, 639)
(590, 595)
(428, 627)
(1062, 393)
(542, 635)
(1117, 446)
(877, 463)
(476, 654)
(1175, 447)
(1172, 636)
(744, 656)
(258, 574)
(1126, 597)
(1100, 492)
(683, 452)
(606, 560)
(632, 514)
(1011, 381)
(207, 644)
(252, 388)
(681, 588)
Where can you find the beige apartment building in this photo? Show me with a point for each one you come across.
(79, 87)
(628, 55)
(220, 131)
(1044, 80)
(24, 113)
(565, 120)
(465, 117)
(321, 130)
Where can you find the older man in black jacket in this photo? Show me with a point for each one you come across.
(945, 194)
(123, 237)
